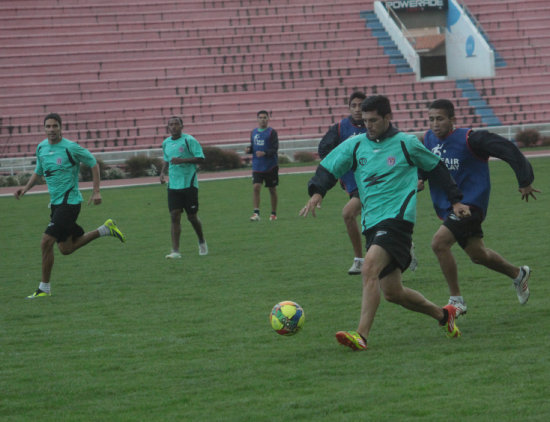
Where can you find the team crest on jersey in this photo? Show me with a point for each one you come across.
(180, 149)
(391, 161)
(59, 161)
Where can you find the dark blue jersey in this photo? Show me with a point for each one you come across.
(267, 141)
(470, 171)
(337, 134)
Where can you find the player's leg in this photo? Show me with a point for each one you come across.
(256, 189)
(257, 182)
(71, 244)
(442, 242)
(46, 246)
(375, 260)
(271, 182)
(350, 212)
(175, 229)
(274, 199)
(479, 254)
(191, 206)
(197, 226)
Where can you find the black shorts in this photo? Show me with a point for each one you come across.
(184, 199)
(395, 237)
(271, 177)
(63, 222)
(464, 228)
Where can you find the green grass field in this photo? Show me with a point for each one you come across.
(130, 336)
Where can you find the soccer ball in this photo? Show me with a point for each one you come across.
(287, 318)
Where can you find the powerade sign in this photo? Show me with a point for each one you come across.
(417, 5)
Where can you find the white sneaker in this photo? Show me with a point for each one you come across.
(522, 287)
(460, 306)
(414, 261)
(255, 217)
(203, 249)
(173, 255)
(355, 269)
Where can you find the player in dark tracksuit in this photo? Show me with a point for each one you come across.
(466, 153)
(264, 147)
(339, 132)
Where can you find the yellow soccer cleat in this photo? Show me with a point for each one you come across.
(114, 230)
(450, 328)
(38, 293)
(351, 339)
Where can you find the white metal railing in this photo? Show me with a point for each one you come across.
(286, 147)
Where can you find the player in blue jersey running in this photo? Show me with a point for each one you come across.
(264, 147)
(182, 153)
(337, 133)
(385, 164)
(466, 153)
(58, 160)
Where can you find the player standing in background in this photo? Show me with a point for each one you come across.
(264, 147)
(58, 160)
(385, 162)
(466, 153)
(182, 153)
(337, 133)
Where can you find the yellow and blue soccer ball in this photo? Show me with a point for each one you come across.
(287, 318)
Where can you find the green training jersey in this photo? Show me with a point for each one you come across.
(60, 164)
(182, 176)
(385, 172)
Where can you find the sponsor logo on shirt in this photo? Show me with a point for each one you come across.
(258, 140)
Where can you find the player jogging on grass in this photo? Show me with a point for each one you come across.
(182, 153)
(385, 163)
(466, 153)
(58, 160)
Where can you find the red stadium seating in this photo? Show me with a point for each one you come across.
(117, 70)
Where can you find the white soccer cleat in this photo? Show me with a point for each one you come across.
(173, 255)
(522, 287)
(355, 268)
(203, 248)
(460, 306)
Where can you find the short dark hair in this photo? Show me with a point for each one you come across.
(378, 103)
(356, 94)
(177, 118)
(262, 112)
(443, 104)
(54, 116)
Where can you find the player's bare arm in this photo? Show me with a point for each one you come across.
(313, 203)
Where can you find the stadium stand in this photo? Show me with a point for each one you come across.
(117, 70)
(519, 92)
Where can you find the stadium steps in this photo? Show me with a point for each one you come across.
(475, 99)
(385, 41)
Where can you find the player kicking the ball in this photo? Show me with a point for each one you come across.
(385, 163)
